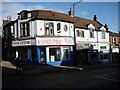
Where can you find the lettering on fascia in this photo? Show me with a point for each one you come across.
(49, 41)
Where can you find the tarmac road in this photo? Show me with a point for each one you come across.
(69, 78)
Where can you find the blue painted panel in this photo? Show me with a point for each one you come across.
(64, 62)
(38, 55)
(54, 63)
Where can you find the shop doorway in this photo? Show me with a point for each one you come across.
(34, 55)
(54, 54)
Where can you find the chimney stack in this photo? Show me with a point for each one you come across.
(71, 13)
(95, 18)
(9, 18)
(106, 26)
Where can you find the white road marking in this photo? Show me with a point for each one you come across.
(68, 67)
(107, 78)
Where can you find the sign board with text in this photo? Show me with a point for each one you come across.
(23, 42)
(44, 41)
(54, 41)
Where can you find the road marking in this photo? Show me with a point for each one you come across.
(107, 79)
(70, 67)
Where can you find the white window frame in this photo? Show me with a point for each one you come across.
(91, 31)
(103, 36)
(49, 30)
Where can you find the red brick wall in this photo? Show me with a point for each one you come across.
(117, 40)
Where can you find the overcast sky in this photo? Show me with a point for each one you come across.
(107, 12)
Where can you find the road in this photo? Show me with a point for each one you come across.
(88, 78)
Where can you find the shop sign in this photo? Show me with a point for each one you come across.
(115, 50)
(23, 43)
(55, 41)
(95, 45)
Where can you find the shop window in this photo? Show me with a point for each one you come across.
(103, 47)
(104, 56)
(54, 54)
(101, 57)
(65, 54)
(24, 29)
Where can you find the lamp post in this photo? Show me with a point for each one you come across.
(74, 31)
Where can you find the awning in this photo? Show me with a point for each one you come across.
(82, 45)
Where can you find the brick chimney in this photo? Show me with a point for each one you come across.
(106, 26)
(95, 18)
(70, 12)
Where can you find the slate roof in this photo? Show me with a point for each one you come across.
(52, 15)
(114, 34)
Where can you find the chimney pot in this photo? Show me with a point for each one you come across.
(95, 18)
(106, 26)
(71, 13)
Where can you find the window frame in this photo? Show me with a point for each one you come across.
(65, 28)
(58, 27)
(103, 36)
(91, 32)
(53, 52)
(80, 33)
(48, 30)
(24, 29)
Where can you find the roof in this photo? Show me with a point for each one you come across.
(52, 15)
(8, 22)
(5, 22)
(82, 23)
(114, 34)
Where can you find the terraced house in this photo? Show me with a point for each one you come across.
(115, 46)
(43, 36)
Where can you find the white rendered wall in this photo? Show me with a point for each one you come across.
(40, 26)
(15, 30)
(100, 37)
(86, 37)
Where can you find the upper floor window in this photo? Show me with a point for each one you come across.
(114, 41)
(65, 28)
(29, 15)
(58, 27)
(24, 29)
(80, 33)
(49, 28)
(12, 31)
(24, 15)
(103, 34)
(91, 33)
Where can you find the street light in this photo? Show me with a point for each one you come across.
(74, 30)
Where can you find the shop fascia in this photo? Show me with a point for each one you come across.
(43, 41)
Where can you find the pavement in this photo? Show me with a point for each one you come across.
(40, 68)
